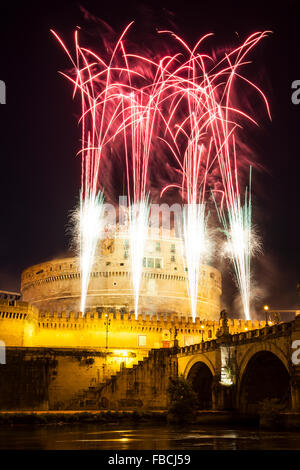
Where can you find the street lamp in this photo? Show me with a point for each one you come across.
(202, 331)
(107, 324)
(266, 309)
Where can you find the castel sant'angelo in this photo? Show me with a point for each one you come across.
(54, 352)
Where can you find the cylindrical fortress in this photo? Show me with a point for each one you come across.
(56, 285)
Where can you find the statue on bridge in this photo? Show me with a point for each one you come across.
(223, 315)
(224, 330)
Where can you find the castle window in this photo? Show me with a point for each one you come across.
(126, 254)
(126, 244)
(173, 259)
(144, 262)
(212, 275)
(107, 263)
(173, 248)
(157, 263)
(150, 262)
(157, 246)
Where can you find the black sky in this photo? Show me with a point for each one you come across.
(40, 137)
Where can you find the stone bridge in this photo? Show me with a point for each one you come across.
(234, 371)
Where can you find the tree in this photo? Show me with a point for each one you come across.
(183, 401)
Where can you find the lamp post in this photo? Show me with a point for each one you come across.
(202, 331)
(107, 324)
(266, 309)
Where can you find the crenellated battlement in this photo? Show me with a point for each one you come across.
(17, 310)
(160, 320)
(121, 320)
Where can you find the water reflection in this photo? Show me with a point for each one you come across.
(111, 437)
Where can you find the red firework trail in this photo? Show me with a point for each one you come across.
(208, 130)
(187, 100)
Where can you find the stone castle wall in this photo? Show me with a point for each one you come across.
(54, 358)
(56, 285)
(22, 325)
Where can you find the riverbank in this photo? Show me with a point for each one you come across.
(76, 417)
(284, 421)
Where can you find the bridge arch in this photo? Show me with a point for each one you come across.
(198, 358)
(261, 347)
(200, 372)
(264, 375)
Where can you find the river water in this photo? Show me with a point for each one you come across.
(144, 437)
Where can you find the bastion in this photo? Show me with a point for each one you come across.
(56, 285)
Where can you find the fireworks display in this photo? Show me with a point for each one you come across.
(186, 102)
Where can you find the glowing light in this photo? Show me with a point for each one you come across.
(195, 241)
(90, 226)
(227, 367)
(138, 231)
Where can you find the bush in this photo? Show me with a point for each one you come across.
(183, 401)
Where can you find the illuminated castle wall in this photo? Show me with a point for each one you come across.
(55, 285)
(51, 345)
(53, 358)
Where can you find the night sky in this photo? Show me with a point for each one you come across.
(40, 174)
